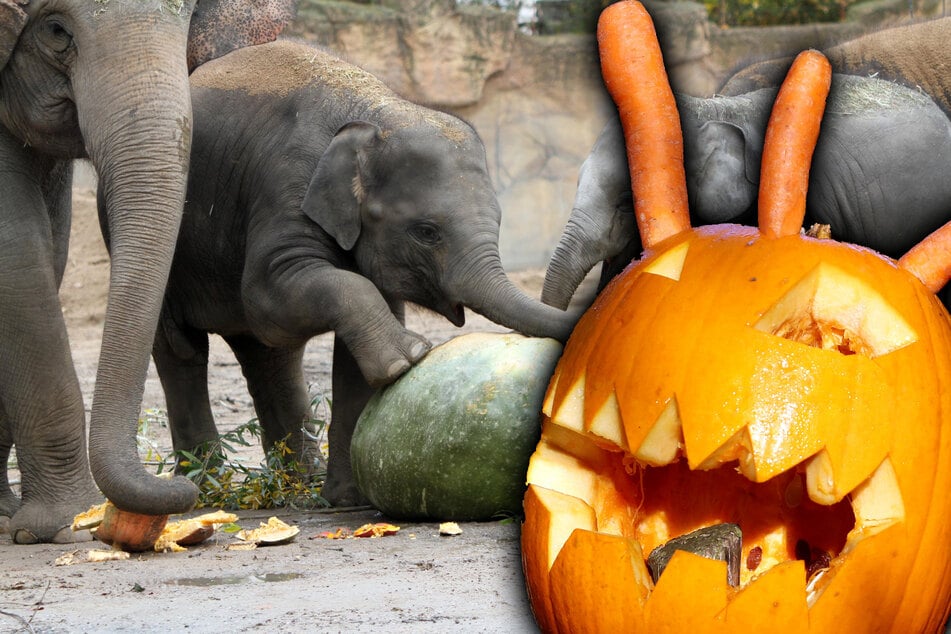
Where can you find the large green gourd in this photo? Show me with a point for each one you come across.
(451, 439)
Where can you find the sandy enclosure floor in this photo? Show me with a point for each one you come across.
(415, 580)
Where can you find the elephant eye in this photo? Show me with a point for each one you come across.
(54, 35)
(425, 233)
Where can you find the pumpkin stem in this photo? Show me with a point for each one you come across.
(930, 259)
(632, 66)
(791, 136)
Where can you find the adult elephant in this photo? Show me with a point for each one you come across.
(320, 201)
(879, 176)
(107, 81)
(914, 55)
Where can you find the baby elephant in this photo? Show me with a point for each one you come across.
(320, 201)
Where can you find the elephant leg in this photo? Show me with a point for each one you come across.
(181, 360)
(40, 398)
(281, 401)
(9, 501)
(350, 395)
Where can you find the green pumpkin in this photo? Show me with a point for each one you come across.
(451, 439)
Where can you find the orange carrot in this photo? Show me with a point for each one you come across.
(930, 259)
(633, 70)
(791, 137)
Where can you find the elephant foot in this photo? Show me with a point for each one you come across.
(65, 535)
(38, 522)
(394, 362)
(343, 494)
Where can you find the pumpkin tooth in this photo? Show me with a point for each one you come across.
(569, 412)
(606, 423)
(737, 448)
(664, 441)
(553, 467)
(820, 479)
(877, 503)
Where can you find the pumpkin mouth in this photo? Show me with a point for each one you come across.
(782, 520)
(791, 485)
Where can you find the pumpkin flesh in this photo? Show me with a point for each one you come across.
(794, 386)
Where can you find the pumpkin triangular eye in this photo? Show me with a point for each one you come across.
(832, 309)
(670, 264)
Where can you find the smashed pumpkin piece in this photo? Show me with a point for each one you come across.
(192, 531)
(270, 533)
(91, 518)
(134, 532)
(131, 532)
(90, 556)
(449, 529)
(340, 533)
(376, 530)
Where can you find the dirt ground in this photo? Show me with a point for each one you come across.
(415, 580)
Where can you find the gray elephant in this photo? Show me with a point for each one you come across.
(320, 201)
(879, 177)
(914, 55)
(107, 82)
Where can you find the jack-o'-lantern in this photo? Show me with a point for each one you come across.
(750, 427)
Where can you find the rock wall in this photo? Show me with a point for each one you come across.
(538, 101)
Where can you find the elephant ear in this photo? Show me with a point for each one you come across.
(221, 26)
(12, 19)
(337, 188)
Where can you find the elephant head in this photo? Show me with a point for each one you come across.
(878, 175)
(107, 80)
(416, 207)
(722, 143)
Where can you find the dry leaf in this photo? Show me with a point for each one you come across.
(449, 528)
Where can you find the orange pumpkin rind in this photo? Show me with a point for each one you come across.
(798, 387)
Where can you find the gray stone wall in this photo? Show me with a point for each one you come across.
(538, 101)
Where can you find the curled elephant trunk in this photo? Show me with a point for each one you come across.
(135, 114)
(607, 234)
(489, 292)
(573, 258)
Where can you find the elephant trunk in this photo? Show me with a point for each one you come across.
(574, 256)
(487, 290)
(134, 111)
(600, 231)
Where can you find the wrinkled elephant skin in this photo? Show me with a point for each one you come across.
(319, 201)
(878, 177)
(108, 83)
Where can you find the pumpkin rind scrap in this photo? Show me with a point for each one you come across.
(451, 439)
(805, 386)
(131, 532)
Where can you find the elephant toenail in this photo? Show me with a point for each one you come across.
(67, 535)
(419, 349)
(397, 368)
(23, 536)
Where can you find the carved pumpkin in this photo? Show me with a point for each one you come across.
(796, 388)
